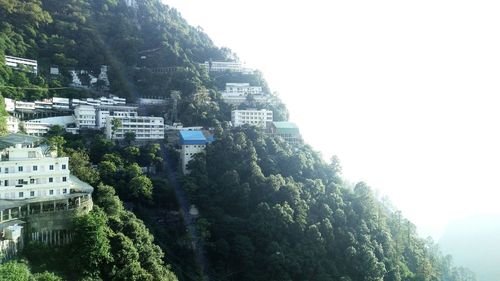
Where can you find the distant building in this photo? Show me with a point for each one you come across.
(238, 93)
(152, 101)
(286, 130)
(39, 127)
(25, 106)
(192, 142)
(103, 111)
(10, 105)
(144, 127)
(60, 103)
(252, 117)
(54, 70)
(12, 124)
(221, 66)
(242, 88)
(85, 117)
(22, 63)
(43, 105)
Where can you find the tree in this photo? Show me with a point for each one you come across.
(141, 187)
(90, 250)
(129, 137)
(14, 271)
(115, 125)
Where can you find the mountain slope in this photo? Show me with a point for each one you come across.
(268, 211)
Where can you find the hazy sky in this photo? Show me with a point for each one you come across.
(405, 93)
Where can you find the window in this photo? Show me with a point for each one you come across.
(6, 183)
(21, 194)
(51, 167)
(65, 190)
(35, 168)
(51, 192)
(32, 181)
(64, 178)
(19, 181)
(51, 179)
(64, 166)
(20, 168)
(32, 193)
(31, 154)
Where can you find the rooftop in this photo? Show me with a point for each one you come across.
(286, 127)
(192, 136)
(13, 139)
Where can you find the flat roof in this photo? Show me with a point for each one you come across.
(13, 139)
(285, 127)
(192, 137)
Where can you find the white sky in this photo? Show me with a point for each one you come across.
(405, 93)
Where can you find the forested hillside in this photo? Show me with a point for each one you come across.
(267, 210)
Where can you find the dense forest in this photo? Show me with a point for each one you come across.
(267, 210)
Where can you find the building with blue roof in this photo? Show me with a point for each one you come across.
(192, 143)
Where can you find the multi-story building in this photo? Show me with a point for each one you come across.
(85, 116)
(221, 66)
(152, 101)
(35, 184)
(22, 63)
(103, 111)
(252, 117)
(242, 88)
(238, 93)
(25, 106)
(60, 103)
(39, 127)
(192, 142)
(286, 130)
(144, 127)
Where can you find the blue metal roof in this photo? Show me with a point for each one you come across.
(192, 137)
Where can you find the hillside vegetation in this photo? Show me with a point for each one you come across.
(268, 211)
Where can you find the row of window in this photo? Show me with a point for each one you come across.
(32, 181)
(23, 194)
(33, 169)
(32, 193)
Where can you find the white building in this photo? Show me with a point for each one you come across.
(152, 101)
(12, 124)
(54, 70)
(144, 127)
(238, 93)
(22, 63)
(242, 88)
(60, 103)
(31, 172)
(10, 105)
(25, 106)
(192, 143)
(103, 75)
(103, 111)
(39, 127)
(85, 116)
(232, 66)
(252, 117)
(45, 104)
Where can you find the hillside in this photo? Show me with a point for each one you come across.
(268, 210)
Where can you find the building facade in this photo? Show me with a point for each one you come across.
(286, 130)
(259, 118)
(38, 191)
(85, 117)
(192, 143)
(22, 63)
(221, 66)
(144, 127)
